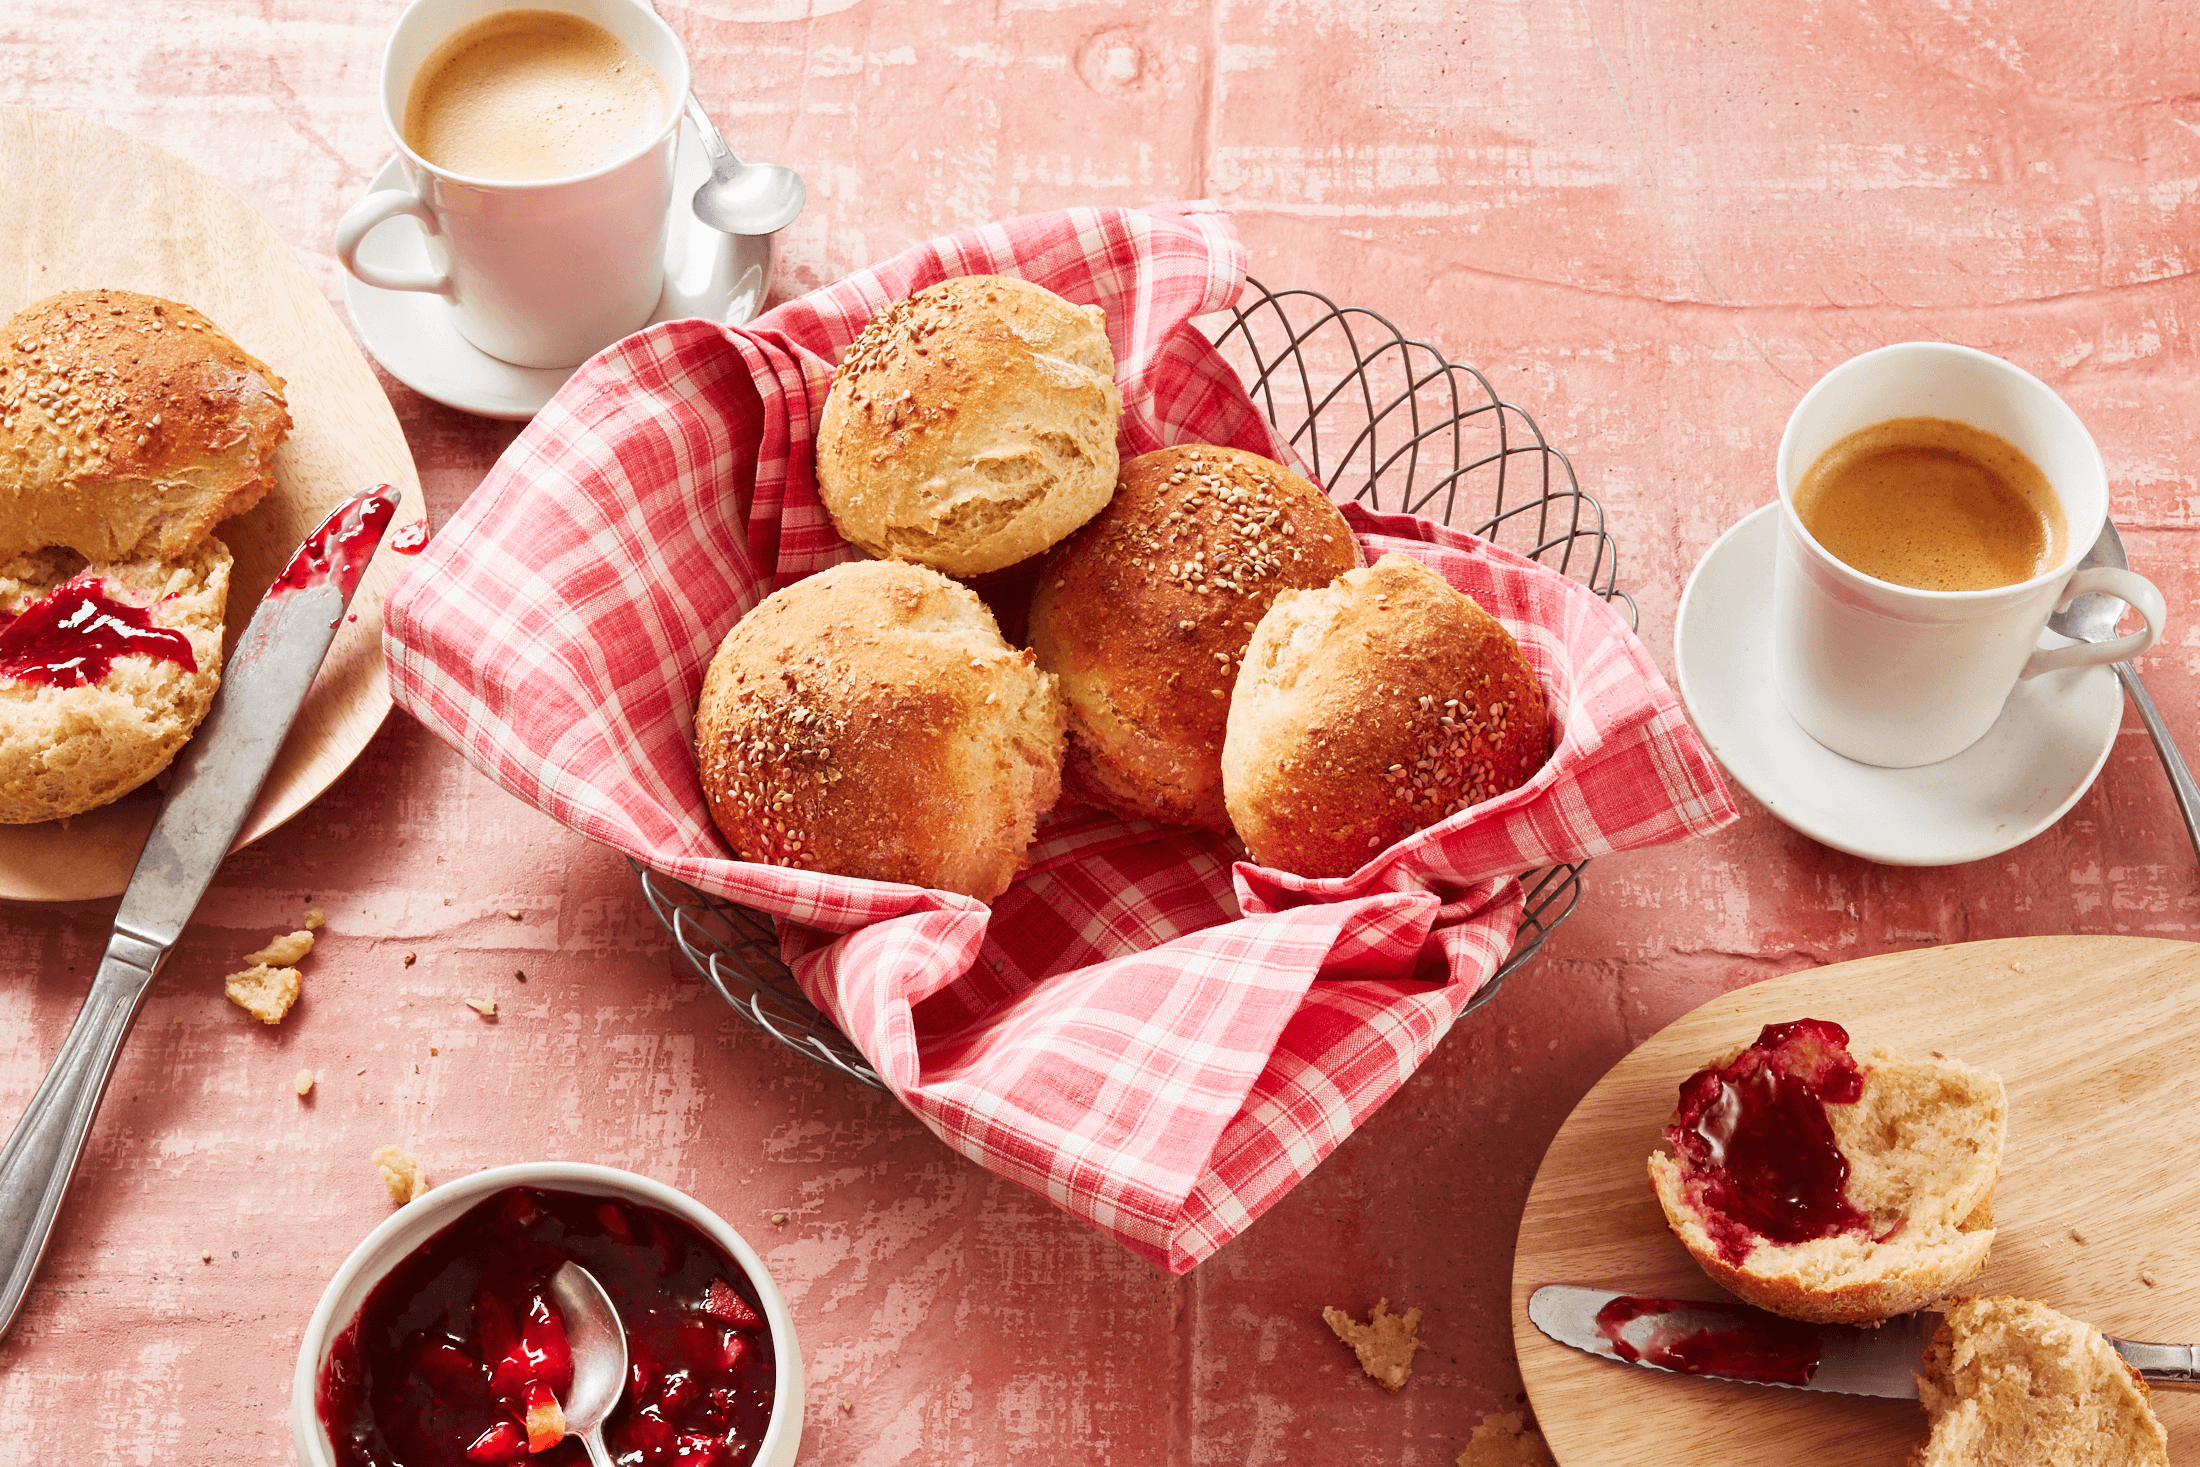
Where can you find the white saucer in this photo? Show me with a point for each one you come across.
(721, 277)
(2038, 758)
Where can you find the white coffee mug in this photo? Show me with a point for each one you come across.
(1898, 677)
(541, 273)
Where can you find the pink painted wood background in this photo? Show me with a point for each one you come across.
(1653, 225)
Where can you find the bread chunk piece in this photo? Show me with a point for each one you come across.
(2012, 1383)
(402, 1173)
(971, 426)
(1371, 709)
(263, 992)
(66, 746)
(129, 427)
(1384, 1345)
(1146, 612)
(1832, 1187)
(870, 721)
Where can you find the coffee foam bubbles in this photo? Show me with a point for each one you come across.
(532, 94)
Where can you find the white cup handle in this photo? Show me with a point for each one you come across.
(2134, 590)
(361, 218)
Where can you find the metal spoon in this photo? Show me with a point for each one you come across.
(742, 198)
(598, 1342)
(2092, 618)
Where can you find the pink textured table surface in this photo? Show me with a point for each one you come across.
(1652, 225)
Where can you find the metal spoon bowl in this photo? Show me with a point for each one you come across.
(742, 198)
(598, 1342)
(2093, 618)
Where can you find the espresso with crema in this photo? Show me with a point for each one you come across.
(1933, 504)
(533, 94)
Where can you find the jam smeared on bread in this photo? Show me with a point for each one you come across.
(1831, 1187)
(1755, 1134)
(1772, 1351)
(73, 635)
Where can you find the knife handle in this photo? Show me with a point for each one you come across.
(40, 1157)
(2161, 1364)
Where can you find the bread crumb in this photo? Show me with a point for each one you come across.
(2076, 1236)
(779, 1219)
(2146, 1276)
(206, 1258)
(409, 959)
(401, 1172)
(520, 974)
(263, 992)
(1505, 1439)
(486, 1007)
(314, 918)
(284, 951)
(1385, 1344)
(362, 1069)
(846, 1404)
(304, 1083)
(513, 914)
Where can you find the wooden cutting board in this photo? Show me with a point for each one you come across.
(2097, 1040)
(88, 206)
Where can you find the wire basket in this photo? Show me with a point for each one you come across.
(1374, 416)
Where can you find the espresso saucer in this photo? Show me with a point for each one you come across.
(2033, 764)
(721, 277)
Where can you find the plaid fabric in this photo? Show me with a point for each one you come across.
(1206, 1030)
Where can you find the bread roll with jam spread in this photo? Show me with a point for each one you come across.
(1371, 709)
(971, 426)
(1145, 613)
(870, 721)
(129, 427)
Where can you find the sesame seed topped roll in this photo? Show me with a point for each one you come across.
(1371, 709)
(870, 721)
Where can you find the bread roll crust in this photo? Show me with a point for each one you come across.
(1146, 612)
(971, 426)
(2009, 1382)
(129, 427)
(67, 750)
(1371, 709)
(869, 721)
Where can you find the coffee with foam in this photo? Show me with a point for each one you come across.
(524, 95)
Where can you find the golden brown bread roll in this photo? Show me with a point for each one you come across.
(870, 721)
(2012, 1383)
(1369, 710)
(129, 426)
(1144, 615)
(971, 426)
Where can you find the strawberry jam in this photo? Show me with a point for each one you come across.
(73, 634)
(1749, 1346)
(1759, 1151)
(458, 1356)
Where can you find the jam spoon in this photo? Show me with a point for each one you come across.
(2092, 618)
(598, 1342)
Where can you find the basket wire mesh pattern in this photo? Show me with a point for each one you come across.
(1376, 417)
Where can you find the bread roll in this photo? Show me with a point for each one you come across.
(1145, 613)
(66, 749)
(2012, 1383)
(870, 721)
(971, 426)
(1919, 1148)
(129, 427)
(1371, 709)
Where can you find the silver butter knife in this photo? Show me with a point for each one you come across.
(1731, 1341)
(215, 781)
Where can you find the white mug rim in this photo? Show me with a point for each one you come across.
(2073, 553)
(676, 96)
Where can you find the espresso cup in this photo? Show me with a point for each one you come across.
(1895, 676)
(543, 272)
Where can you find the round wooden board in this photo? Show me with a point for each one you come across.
(88, 206)
(2097, 1040)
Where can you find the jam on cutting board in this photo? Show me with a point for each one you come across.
(459, 1357)
(1759, 1150)
(1770, 1349)
(73, 634)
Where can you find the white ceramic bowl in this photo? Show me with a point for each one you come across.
(414, 1223)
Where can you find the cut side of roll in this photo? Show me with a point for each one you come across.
(870, 721)
(2012, 1383)
(1833, 1187)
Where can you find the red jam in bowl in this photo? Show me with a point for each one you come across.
(459, 1352)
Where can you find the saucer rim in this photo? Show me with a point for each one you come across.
(1690, 683)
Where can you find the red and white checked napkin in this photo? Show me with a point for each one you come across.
(1148, 1029)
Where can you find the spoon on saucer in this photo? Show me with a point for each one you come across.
(742, 198)
(2092, 618)
(598, 1343)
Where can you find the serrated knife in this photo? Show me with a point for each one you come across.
(215, 781)
(1731, 1341)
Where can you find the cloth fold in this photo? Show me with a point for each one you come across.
(1146, 1028)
